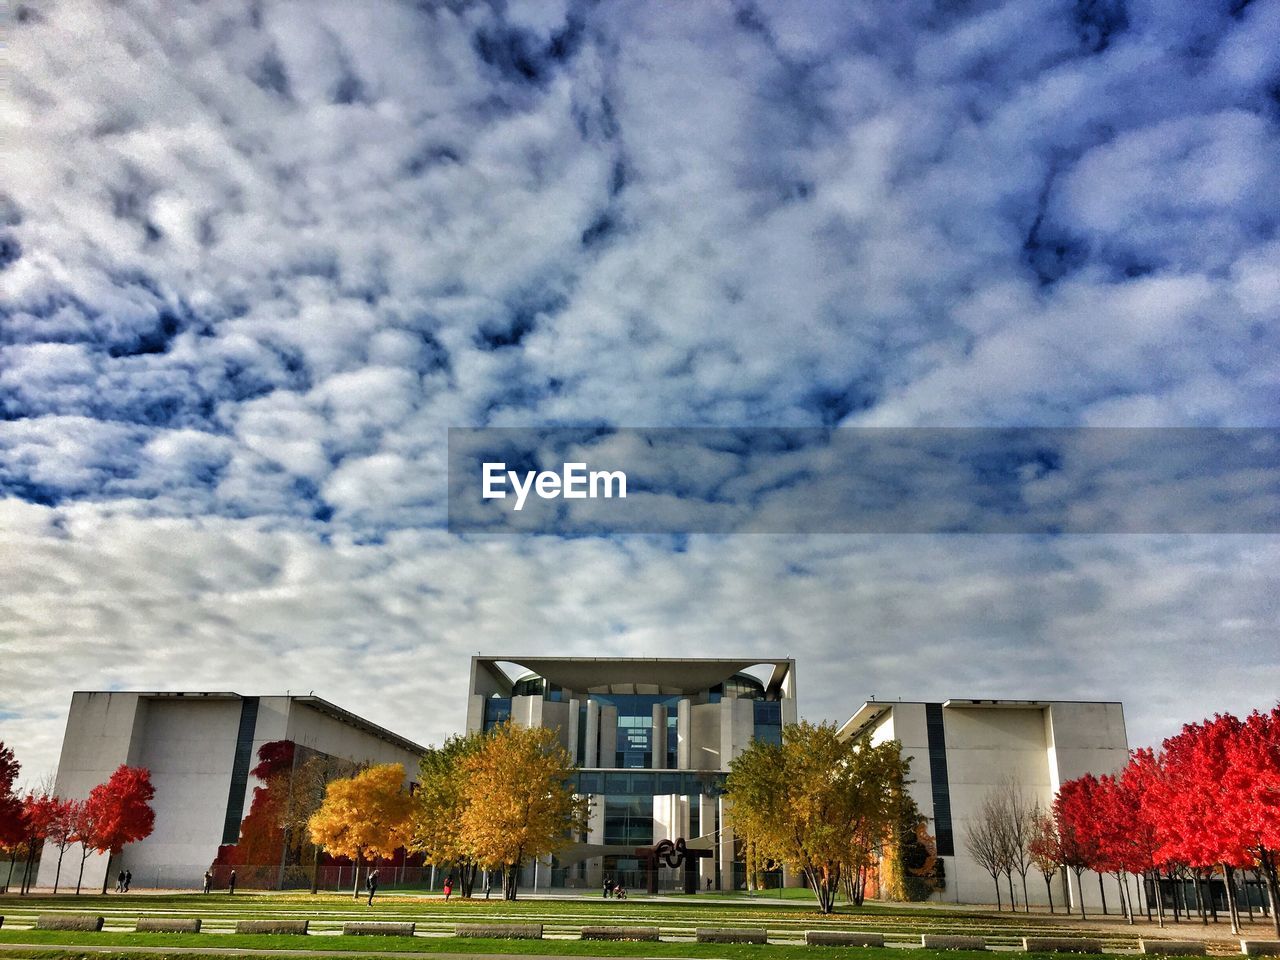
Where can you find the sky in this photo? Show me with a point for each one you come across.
(257, 257)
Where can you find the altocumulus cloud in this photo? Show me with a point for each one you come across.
(255, 258)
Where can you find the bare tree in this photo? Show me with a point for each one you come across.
(986, 841)
(1019, 816)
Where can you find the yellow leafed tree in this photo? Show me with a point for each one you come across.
(519, 800)
(369, 814)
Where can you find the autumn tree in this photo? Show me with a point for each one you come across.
(440, 804)
(518, 800)
(85, 831)
(12, 829)
(122, 812)
(1077, 839)
(1044, 848)
(61, 832)
(815, 802)
(1253, 779)
(369, 813)
(37, 813)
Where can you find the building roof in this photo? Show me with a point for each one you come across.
(692, 674)
(318, 704)
(872, 710)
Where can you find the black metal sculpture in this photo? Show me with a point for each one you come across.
(674, 855)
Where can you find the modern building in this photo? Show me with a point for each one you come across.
(199, 748)
(962, 750)
(654, 740)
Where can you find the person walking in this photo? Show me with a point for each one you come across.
(448, 887)
(120, 882)
(231, 882)
(128, 880)
(608, 887)
(372, 883)
(208, 881)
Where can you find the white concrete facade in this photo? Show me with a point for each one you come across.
(984, 744)
(192, 745)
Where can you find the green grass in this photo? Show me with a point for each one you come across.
(353, 947)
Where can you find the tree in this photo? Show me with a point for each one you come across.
(816, 803)
(1077, 841)
(122, 812)
(369, 813)
(987, 842)
(1253, 783)
(61, 832)
(12, 827)
(440, 804)
(518, 800)
(1045, 849)
(37, 813)
(1017, 813)
(85, 832)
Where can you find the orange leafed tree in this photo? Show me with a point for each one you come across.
(519, 800)
(367, 814)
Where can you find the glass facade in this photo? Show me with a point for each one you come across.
(651, 783)
(628, 820)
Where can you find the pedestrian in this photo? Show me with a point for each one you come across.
(372, 883)
(608, 887)
(448, 887)
(120, 882)
(708, 883)
(231, 882)
(208, 881)
(128, 879)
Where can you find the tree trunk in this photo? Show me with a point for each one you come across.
(1026, 900)
(80, 878)
(106, 875)
(355, 877)
(1102, 892)
(1080, 891)
(996, 879)
(1048, 887)
(1271, 870)
(27, 879)
(1013, 903)
(1233, 911)
(1126, 908)
(315, 871)
(510, 881)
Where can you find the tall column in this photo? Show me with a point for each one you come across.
(684, 715)
(591, 753)
(659, 737)
(608, 735)
(571, 731)
(726, 850)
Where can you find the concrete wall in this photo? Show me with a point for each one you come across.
(188, 745)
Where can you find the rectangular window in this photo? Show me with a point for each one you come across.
(768, 721)
(241, 761)
(496, 710)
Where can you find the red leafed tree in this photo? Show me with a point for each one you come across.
(1075, 815)
(1253, 783)
(1202, 811)
(37, 813)
(1140, 782)
(85, 833)
(10, 803)
(122, 812)
(1045, 850)
(61, 832)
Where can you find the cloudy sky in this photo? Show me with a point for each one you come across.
(256, 258)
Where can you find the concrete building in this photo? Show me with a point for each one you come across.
(653, 738)
(199, 748)
(961, 750)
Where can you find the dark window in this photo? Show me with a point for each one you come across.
(628, 821)
(240, 769)
(496, 710)
(768, 721)
(938, 774)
